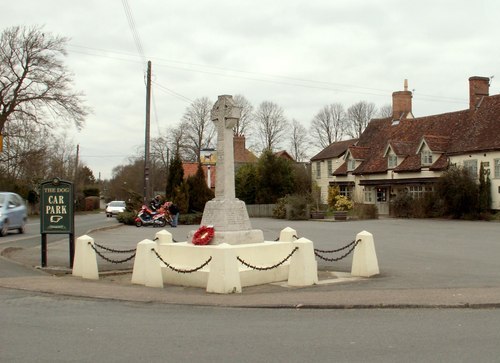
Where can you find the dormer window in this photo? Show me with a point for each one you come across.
(392, 161)
(351, 164)
(426, 157)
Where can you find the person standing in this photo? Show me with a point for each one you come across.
(174, 213)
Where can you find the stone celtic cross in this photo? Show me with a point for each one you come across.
(225, 114)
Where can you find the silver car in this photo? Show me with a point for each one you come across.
(115, 207)
(13, 213)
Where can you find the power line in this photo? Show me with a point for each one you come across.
(133, 29)
(306, 83)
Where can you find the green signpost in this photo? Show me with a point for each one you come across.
(57, 214)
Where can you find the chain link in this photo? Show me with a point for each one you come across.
(353, 244)
(338, 249)
(181, 270)
(270, 267)
(113, 250)
(110, 260)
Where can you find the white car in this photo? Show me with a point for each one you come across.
(13, 213)
(115, 207)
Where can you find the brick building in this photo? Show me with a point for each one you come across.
(409, 153)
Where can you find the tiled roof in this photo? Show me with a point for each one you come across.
(402, 148)
(437, 143)
(284, 154)
(341, 170)
(334, 150)
(460, 132)
(359, 152)
(191, 168)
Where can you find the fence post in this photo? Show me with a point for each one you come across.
(364, 260)
(85, 261)
(164, 237)
(288, 235)
(224, 275)
(147, 266)
(303, 270)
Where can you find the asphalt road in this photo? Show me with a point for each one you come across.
(42, 328)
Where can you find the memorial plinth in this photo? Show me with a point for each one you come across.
(227, 214)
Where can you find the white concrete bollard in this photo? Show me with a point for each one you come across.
(303, 270)
(224, 275)
(164, 237)
(147, 266)
(288, 235)
(85, 261)
(364, 260)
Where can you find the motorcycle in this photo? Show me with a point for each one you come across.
(146, 217)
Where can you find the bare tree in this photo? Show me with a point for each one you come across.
(329, 124)
(271, 125)
(199, 128)
(244, 124)
(299, 141)
(358, 116)
(385, 111)
(34, 82)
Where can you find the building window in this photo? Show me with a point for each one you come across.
(426, 157)
(381, 194)
(418, 191)
(497, 168)
(351, 164)
(392, 161)
(345, 191)
(318, 169)
(471, 167)
(330, 167)
(368, 195)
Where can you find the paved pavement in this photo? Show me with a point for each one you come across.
(398, 285)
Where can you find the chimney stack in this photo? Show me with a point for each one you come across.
(478, 88)
(401, 103)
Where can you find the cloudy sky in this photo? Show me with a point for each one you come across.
(301, 55)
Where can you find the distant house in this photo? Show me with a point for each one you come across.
(407, 153)
(284, 155)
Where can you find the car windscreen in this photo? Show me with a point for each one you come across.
(117, 204)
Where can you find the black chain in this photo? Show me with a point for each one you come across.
(294, 236)
(355, 243)
(339, 249)
(181, 270)
(270, 267)
(156, 239)
(113, 250)
(110, 260)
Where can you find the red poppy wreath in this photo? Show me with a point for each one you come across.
(203, 235)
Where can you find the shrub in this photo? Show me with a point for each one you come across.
(365, 211)
(297, 207)
(126, 217)
(279, 210)
(459, 193)
(190, 218)
(401, 205)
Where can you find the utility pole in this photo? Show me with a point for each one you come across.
(147, 136)
(77, 160)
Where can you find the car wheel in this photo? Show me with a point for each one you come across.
(5, 229)
(22, 229)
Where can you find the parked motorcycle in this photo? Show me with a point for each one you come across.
(146, 217)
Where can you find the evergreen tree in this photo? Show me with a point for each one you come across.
(484, 190)
(275, 178)
(181, 197)
(175, 176)
(246, 182)
(199, 192)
